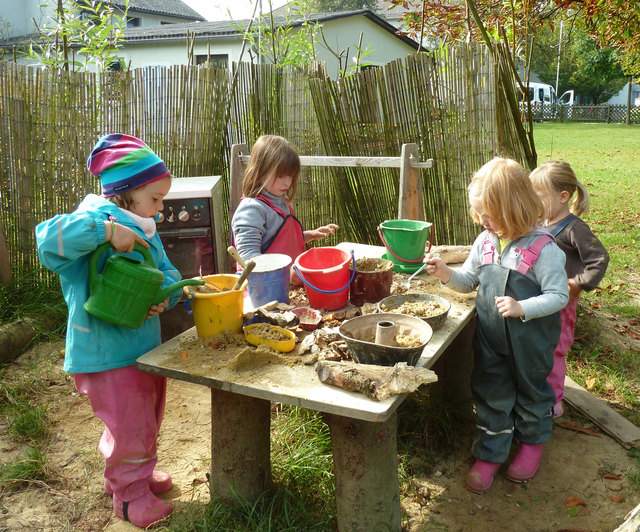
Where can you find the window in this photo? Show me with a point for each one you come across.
(213, 60)
(133, 22)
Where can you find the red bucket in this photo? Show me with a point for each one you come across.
(326, 276)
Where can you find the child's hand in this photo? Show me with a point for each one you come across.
(122, 238)
(437, 267)
(154, 310)
(509, 307)
(320, 232)
(574, 290)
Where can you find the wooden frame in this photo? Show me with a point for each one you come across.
(410, 202)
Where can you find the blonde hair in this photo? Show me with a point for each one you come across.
(503, 189)
(271, 157)
(557, 176)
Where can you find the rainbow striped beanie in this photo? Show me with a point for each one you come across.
(124, 162)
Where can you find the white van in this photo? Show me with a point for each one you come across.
(541, 93)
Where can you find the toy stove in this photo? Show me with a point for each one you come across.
(190, 226)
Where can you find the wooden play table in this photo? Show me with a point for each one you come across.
(363, 431)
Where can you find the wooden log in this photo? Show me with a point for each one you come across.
(631, 521)
(14, 337)
(619, 428)
(376, 382)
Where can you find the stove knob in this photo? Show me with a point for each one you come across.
(183, 216)
(160, 217)
(196, 214)
(172, 216)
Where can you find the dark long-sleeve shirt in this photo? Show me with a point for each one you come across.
(587, 259)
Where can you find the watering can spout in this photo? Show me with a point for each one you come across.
(166, 292)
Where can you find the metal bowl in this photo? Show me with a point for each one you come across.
(389, 304)
(359, 334)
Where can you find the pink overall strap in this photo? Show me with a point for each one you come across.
(488, 251)
(266, 200)
(530, 255)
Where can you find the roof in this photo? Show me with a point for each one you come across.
(174, 8)
(232, 28)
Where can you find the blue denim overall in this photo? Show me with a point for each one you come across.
(512, 359)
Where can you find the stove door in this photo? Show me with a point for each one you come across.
(190, 250)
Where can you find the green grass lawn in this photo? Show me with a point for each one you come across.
(606, 159)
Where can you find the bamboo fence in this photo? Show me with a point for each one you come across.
(445, 103)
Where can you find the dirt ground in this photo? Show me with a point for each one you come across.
(572, 469)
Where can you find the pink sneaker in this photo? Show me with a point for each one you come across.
(481, 475)
(525, 464)
(145, 511)
(159, 482)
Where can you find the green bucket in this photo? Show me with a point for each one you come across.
(406, 243)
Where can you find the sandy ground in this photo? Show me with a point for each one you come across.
(572, 469)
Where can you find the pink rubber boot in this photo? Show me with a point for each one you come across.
(525, 464)
(144, 511)
(159, 482)
(481, 475)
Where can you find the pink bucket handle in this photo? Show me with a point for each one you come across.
(400, 258)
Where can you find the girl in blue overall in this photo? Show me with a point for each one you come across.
(100, 355)
(522, 286)
(264, 221)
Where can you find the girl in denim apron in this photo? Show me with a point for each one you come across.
(586, 257)
(264, 221)
(522, 286)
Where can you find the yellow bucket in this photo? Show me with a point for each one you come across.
(216, 312)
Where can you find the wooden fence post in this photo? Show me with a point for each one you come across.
(410, 193)
(236, 175)
(6, 276)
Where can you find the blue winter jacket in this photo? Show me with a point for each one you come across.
(65, 243)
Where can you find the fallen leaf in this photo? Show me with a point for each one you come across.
(575, 426)
(615, 487)
(633, 334)
(606, 474)
(581, 338)
(596, 306)
(573, 501)
(590, 382)
(184, 354)
(616, 499)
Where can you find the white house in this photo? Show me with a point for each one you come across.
(19, 18)
(221, 41)
(159, 30)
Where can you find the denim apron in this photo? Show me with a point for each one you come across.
(512, 359)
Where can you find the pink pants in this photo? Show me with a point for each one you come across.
(131, 405)
(559, 371)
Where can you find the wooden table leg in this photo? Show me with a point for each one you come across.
(365, 458)
(240, 445)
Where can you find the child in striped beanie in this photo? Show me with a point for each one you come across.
(100, 355)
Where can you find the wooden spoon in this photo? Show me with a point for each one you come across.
(234, 253)
(245, 273)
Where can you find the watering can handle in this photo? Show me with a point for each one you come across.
(94, 276)
(353, 259)
(400, 258)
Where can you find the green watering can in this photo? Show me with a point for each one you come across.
(126, 288)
